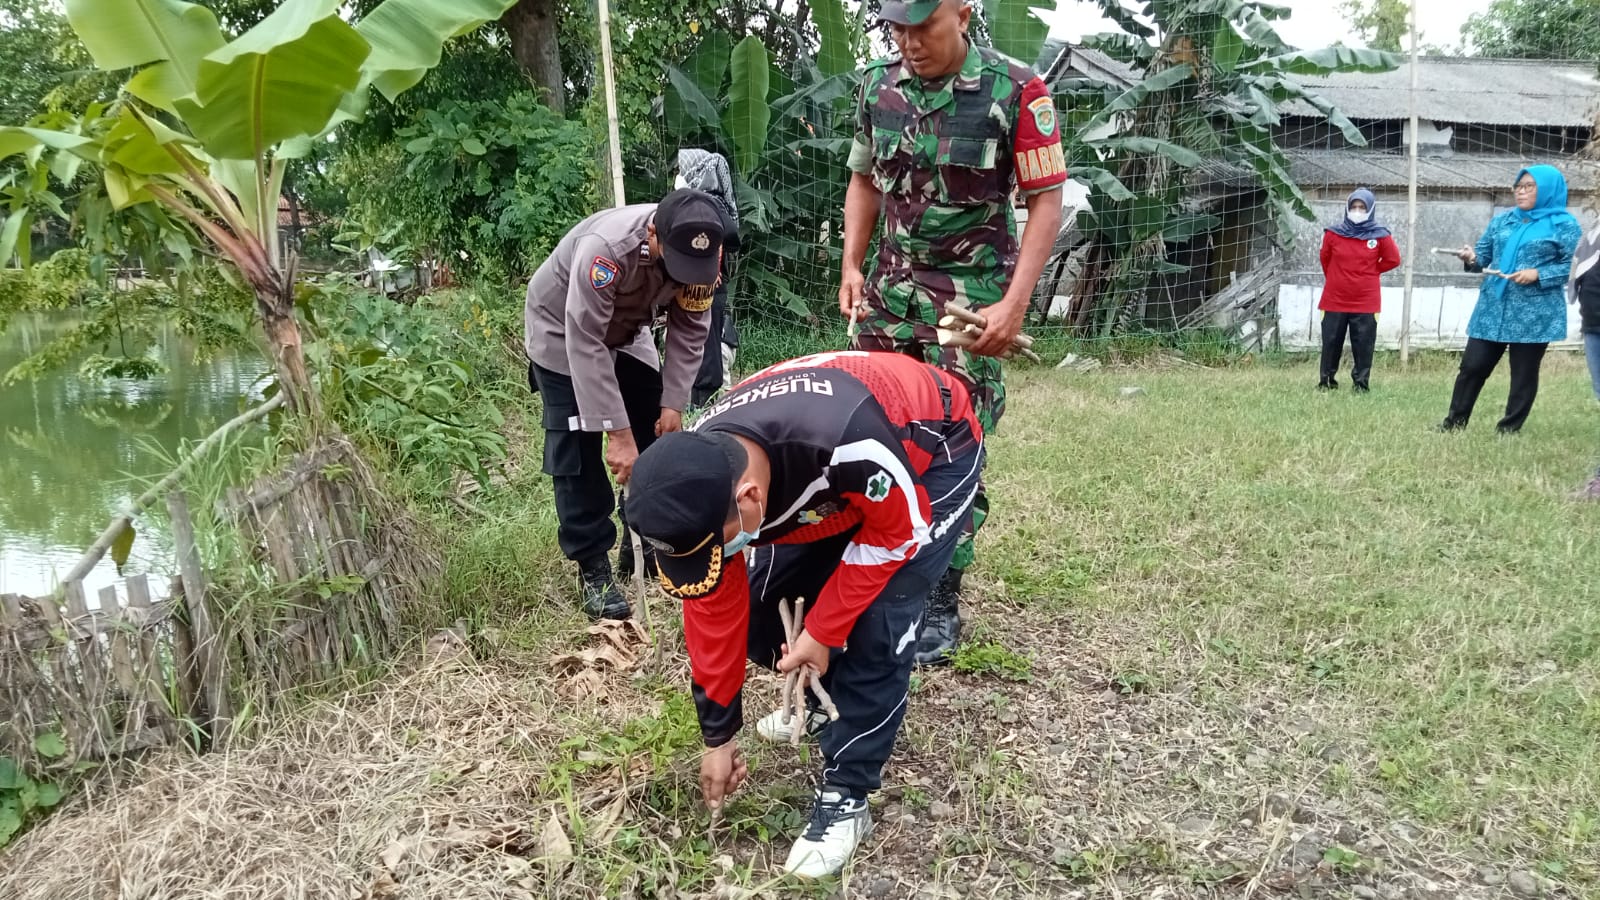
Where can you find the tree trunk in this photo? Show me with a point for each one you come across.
(532, 26)
(288, 356)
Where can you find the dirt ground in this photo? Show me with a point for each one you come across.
(519, 772)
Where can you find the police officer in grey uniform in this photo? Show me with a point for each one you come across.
(593, 358)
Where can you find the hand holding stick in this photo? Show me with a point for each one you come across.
(961, 327)
(793, 702)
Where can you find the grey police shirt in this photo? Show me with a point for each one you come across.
(595, 296)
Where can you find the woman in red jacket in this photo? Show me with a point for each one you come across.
(1355, 253)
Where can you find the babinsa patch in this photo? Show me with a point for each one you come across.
(1044, 115)
(602, 272)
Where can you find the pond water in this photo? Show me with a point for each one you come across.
(74, 450)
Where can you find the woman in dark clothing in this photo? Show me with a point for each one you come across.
(1355, 254)
(1527, 255)
(1585, 291)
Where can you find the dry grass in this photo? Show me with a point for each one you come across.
(1230, 639)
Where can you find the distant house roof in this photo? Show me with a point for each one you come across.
(1510, 92)
(1082, 62)
(1352, 168)
(1467, 90)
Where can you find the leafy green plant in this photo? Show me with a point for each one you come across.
(412, 382)
(991, 658)
(1343, 859)
(24, 800)
(501, 179)
(1130, 683)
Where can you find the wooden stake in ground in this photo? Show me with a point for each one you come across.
(793, 701)
(641, 593)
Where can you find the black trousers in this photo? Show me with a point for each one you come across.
(576, 460)
(709, 379)
(1478, 361)
(870, 679)
(1363, 331)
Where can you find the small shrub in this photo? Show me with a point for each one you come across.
(990, 658)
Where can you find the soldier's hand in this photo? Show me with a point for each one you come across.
(671, 420)
(722, 770)
(1005, 323)
(852, 295)
(621, 452)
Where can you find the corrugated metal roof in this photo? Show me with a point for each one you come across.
(1349, 168)
(1467, 90)
(1093, 64)
(1449, 89)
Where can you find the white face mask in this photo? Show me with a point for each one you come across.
(1359, 216)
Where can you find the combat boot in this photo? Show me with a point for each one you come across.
(941, 626)
(601, 599)
(625, 562)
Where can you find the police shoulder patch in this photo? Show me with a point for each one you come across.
(602, 273)
(1044, 115)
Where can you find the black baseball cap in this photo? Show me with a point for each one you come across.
(907, 12)
(678, 500)
(690, 227)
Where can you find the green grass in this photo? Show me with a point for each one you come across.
(1436, 595)
(1429, 600)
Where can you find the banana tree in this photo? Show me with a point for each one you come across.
(206, 123)
(1215, 74)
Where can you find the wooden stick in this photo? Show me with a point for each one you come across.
(797, 625)
(785, 702)
(641, 592)
(967, 315)
(120, 523)
(828, 706)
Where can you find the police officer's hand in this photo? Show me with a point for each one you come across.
(1005, 323)
(621, 452)
(671, 420)
(852, 295)
(722, 770)
(807, 651)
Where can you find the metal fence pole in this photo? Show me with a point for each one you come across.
(1411, 203)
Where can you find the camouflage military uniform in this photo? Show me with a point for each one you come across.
(947, 155)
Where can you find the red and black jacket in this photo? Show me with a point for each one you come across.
(849, 436)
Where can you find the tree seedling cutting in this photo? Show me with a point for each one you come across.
(961, 327)
(793, 701)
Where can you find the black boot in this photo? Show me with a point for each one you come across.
(625, 560)
(1328, 383)
(601, 599)
(1362, 388)
(941, 624)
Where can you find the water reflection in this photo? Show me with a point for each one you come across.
(74, 450)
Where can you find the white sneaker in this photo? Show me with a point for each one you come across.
(771, 727)
(838, 825)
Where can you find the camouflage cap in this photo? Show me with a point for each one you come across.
(908, 12)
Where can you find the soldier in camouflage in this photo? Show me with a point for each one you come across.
(946, 132)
